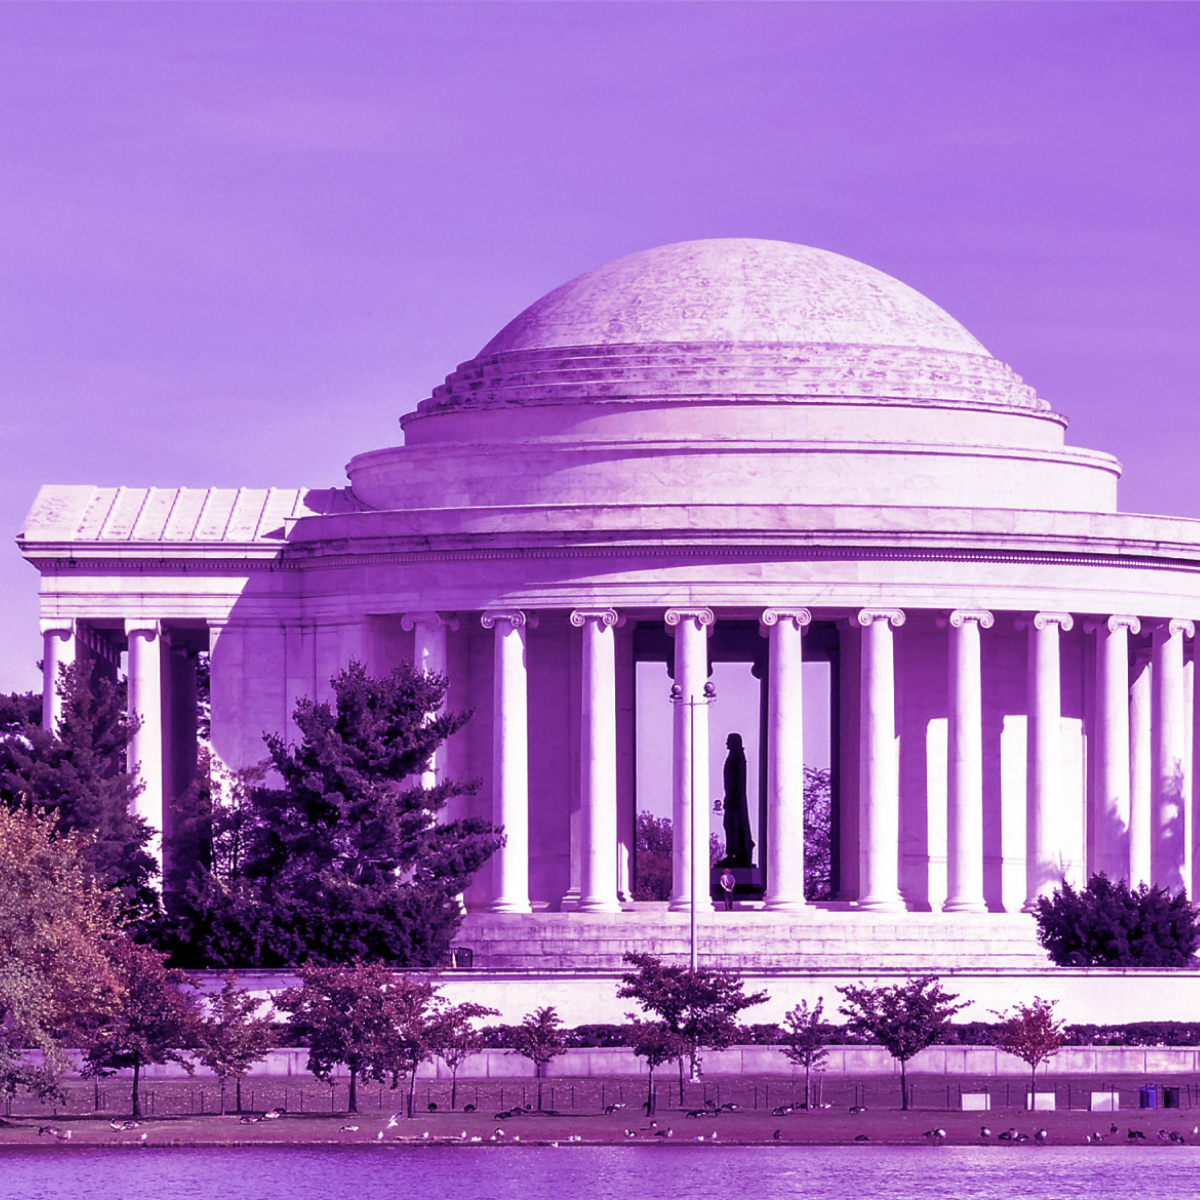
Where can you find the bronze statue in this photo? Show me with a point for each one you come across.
(739, 846)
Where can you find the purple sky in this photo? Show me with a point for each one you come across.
(237, 241)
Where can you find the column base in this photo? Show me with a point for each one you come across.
(510, 906)
(598, 906)
(884, 904)
(1031, 905)
(785, 906)
(964, 906)
(704, 905)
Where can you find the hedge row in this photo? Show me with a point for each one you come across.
(967, 1033)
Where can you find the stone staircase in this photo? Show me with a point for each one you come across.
(824, 939)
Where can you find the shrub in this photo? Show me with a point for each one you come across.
(1111, 925)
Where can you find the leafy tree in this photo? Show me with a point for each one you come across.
(540, 1038)
(347, 858)
(454, 1037)
(19, 710)
(658, 1045)
(345, 1017)
(79, 773)
(232, 1037)
(156, 1021)
(1031, 1033)
(818, 833)
(652, 861)
(55, 924)
(905, 1018)
(1110, 924)
(700, 1007)
(804, 1042)
(653, 873)
(408, 1044)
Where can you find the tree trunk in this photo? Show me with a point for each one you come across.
(136, 1104)
(650, 1095)
(1033, 1087)
(807, 1090)
(412, 1090)
(238, 1094)
(453, 1089)
(353, 1102)
(681, 1081)
(903, 1085)
(538, 1069)
(221, 1081)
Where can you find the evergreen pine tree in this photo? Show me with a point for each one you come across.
(80, 775)
(346, 858)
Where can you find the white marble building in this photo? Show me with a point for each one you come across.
(731, 449)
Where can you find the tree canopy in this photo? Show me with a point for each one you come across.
(79, 774)
(701, 1007)
(1032, 1034)
(905, 1018)
(155, 1021)
(55, 926)
(346, 856)
(1110, 924)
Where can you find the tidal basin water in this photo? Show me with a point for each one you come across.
(602, 1173)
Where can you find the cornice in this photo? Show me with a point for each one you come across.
(773, 548)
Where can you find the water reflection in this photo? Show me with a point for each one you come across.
(601, 1173)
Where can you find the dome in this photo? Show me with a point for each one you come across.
(730, 320)
(734, 291)
(731, 371)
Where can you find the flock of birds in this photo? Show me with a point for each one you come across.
(934, 1136)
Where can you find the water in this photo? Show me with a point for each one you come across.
(602, 1173)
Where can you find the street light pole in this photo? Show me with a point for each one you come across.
(694, 832)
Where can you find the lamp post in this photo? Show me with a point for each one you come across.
(677, 698)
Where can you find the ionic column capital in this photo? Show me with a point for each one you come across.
(964, 616)
(1113, 624)
(1169, 629)
(1044, 620)
(704, 617)
(59, 627)
(140, 627)
(607, 617)
(800, 618)
(431, 620)
(868, 616)
(514, 616)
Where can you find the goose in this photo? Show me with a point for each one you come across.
(1041, 1135)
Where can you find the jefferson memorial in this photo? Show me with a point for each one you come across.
(722, 451)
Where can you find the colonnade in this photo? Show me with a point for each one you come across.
(1138, 739)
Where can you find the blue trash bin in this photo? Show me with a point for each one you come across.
(1148, 1096)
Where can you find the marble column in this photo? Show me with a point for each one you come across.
(429, 657)
(689, 793)
(1140, 771)
(510, 759)
(598, 760)
(964, 775)
(59, 647)
(1043, 772)
(1168, 851)
(145, 704)
(879, 779)
(1110, 843)
(785, 759)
